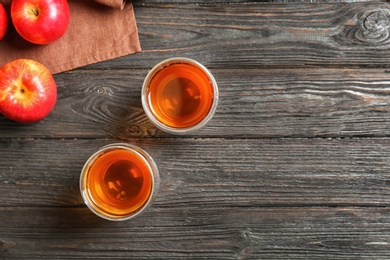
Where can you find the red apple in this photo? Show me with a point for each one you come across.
(3, 22)
(40, 21)
(28, 91)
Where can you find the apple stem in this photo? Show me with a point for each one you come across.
(35, 12)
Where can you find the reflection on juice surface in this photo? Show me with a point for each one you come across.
(117, 181)
(179, 95)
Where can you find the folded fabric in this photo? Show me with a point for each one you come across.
(113, 3)
(96, 33)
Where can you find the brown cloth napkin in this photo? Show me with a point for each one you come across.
(113, 3)
(96, 32)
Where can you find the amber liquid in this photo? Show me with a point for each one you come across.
(180, 95)
(119, 182)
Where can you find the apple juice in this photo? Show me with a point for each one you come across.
(180, 94)
(118, 182)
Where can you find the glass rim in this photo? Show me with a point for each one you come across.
(88, 199)
(145, 102)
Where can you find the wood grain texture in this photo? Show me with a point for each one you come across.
(262, 35)
(294, 165)
(211, 172)
(198, 233)
(282, 199)
(266, 103)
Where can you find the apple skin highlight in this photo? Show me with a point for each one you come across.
(3, 22)
(40, 21)
(28, 91)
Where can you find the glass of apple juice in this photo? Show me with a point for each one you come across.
(119, 181)
(179, 95)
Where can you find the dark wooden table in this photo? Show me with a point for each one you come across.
(294, 165)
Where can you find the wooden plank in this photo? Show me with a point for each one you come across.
(198, 233)
(210, 172)
(262, 34)
(264, 103)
